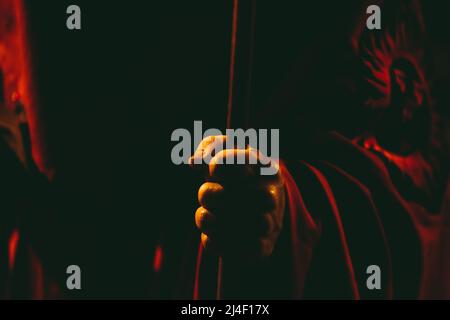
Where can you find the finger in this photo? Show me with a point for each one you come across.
(243, 202)
(234, 165)
(211, 195)
(209, 244)
(225, 227)
(205, 221)
(206, 150)
(239, 164)
(217, 145)
(269, 168)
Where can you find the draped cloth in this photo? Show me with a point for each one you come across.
(344, 215)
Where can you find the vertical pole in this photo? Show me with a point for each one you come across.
(240, 80)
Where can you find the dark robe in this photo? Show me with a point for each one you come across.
(344, 215)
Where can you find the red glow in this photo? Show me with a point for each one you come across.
(301, 222)
(38, 277)
(233, 61)
(415, 165)
(380, 56)
(158, 259)
(15, 62)
(15, 97)
(197, 272)
(12, 248)
(348, 260)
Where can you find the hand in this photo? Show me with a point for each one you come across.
(241, 211)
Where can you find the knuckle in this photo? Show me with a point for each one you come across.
(207, 243)
(209, 194)
(200, 217)
(204, 220)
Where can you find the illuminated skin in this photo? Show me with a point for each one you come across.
(241, 212)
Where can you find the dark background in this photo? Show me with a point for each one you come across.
(111, 94)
